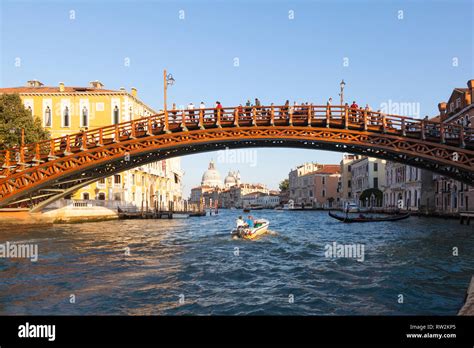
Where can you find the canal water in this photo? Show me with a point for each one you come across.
(192, 266)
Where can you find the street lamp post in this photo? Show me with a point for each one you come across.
(167, 80)
(342, 84)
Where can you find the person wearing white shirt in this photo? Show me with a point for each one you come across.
(191, 111)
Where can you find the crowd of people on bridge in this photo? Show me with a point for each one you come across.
(304, 111)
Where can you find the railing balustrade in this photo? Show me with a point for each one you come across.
(334, 116)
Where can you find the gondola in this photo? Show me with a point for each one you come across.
(369, 219)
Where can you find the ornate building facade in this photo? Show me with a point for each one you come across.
(65, 110)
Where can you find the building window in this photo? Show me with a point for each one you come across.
(324, 180)
(116, 115)
(47, 117)
(117, 196)
(133, 179)
(101, 196)
(376, 167)
(376, 182)
(85, 196)
(323, 193)
(130, 113)
(117, 179)
(85, 117)
(458, 102)
(66, 121)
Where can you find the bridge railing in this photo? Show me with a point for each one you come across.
(335, 116)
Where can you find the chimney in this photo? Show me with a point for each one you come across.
(61, 86)
(442, 111)
(134, 92)
(34, 83)
(96, 84)
(470, 85)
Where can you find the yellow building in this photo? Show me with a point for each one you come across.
(65, 110)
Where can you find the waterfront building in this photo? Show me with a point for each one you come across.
(268, 200)
(452, 196)
(345, 180)
(314, 185)
(228, 195)
(211, 185)
(408, 188)
(65, 110)
(367, 178)
(234, 196)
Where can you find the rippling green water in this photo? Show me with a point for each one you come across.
(192, 266)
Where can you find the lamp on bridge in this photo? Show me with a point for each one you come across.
(342, 84)
(167, 80)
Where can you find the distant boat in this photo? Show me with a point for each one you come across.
(256, 207)
(289, 206)
(362, 218)
(246, 210)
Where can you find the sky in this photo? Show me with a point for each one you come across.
(396, 53)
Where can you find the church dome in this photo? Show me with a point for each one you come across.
(230, 179)
(211, 177)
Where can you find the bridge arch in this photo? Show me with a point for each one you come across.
(50, 170)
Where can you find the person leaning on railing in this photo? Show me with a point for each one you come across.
(328, 106)
(174, 111)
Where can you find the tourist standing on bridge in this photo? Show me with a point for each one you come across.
(191, 111)
(257, 106)
(248, 107)
(218, 109)
(240, 110)
(174, 111)
(328, 106)
(354, 108)
(202, 106)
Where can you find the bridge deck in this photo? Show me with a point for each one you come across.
(431, 145)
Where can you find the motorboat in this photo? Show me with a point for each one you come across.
(259, 228)
(364, 218)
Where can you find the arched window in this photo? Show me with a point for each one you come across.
(85, 117)
(47, 117)
(66, 117)
(116, 115)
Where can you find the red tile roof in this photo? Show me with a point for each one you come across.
(329, 169)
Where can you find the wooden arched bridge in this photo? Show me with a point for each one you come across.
(36, 174)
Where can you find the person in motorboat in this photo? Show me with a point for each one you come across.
(240, 222)
(250, 221)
